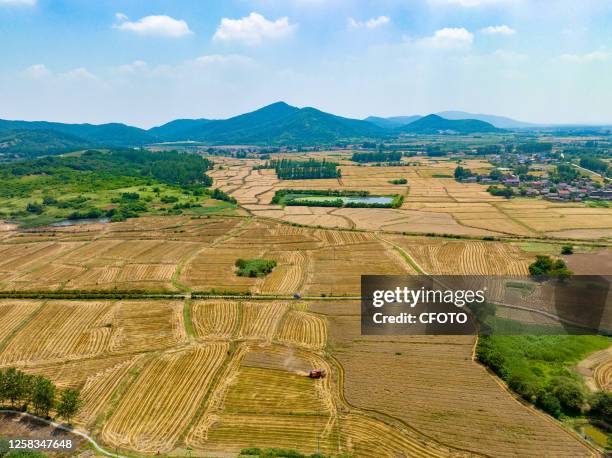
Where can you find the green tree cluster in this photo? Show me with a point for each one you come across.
(393, 156)
(462, 173)
(547, 266)
(21, 390)
(289, 169)
(254, 267)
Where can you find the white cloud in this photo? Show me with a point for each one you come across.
(223, 59)
(472, 3)
(595, 56)
(253, 29)
(80, 73)
(41, 72)
(498, 30)
(37, 71)
(18, 2)
(372, 23)
(163, 26)
(137, 66)
(449, 38)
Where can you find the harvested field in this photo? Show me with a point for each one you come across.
(303, 329)
(458, 257)
(237, 431)
(288, 276)
(138, 328)
(333, 271)
(431, 205)
(118, 255)
(260, 320)
(444, 408)
(272, 391)
(597, 370)
(99, 389)
(62, 329)
(84, 329)
(215, 319)
(366, 436)
(75, 373)
(14, 313)
(177, 383)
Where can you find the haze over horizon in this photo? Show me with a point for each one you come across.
(146, 64)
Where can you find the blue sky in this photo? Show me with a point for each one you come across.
(147, 62)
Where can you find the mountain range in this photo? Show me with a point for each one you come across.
(275, 124)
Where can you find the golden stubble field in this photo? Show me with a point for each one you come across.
(240, 380)
(218, 375)
(194, 254)
(433, 202)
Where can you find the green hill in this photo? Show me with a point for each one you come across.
(178, 129)
(393, 121)
(32, 143)
(112, 134)
(434, 124)
(278, 123)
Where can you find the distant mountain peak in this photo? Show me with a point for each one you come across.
(432, 124)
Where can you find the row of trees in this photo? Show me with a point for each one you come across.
(393, 156)
(222, 195)
(289, 169)
(21, 390)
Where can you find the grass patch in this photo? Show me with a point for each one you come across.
(596, 435)
(520, 285)
(254, 267)
(539, 367)
(189, 328)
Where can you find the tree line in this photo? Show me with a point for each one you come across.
(20, 390)
(379, 156)
(289, 169)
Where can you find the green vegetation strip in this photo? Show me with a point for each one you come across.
(538, 368)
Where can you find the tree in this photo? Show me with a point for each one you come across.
(601, 406)
(461, 173)
(15, 386)
(69, 404)
(549, 403)
(43, 395)
(570, 394)
(567, 249)
(35, 208)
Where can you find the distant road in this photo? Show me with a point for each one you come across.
(591, 172)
